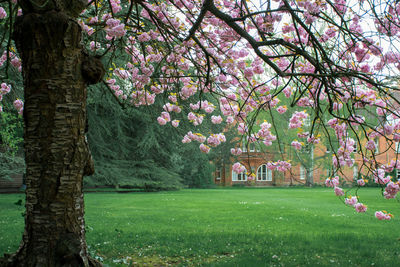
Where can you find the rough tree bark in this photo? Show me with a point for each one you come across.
(56, 72)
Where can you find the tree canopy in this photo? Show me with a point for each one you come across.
(337, 59)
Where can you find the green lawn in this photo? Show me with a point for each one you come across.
(230, 227)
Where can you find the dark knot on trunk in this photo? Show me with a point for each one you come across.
(92, 69)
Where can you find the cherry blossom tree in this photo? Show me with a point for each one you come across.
(338, 58)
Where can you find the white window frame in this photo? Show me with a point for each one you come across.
(244, 147)
(302, 173)
(398, 174)
(252, 147)
(218, 170)
(355, 172)
(397, 148)
(235, 176)
(376, 142)
(267, 173)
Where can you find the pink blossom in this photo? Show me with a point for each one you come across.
(360, 207)
(115, 6)
(236, 151)
(391, 190)
(281, 109)
(370, 145)
(209, 109)
(248, 72)
(191, 116)
(19, 106)
(144, 37)
(296, 144)
(238, 168)
(230, 120)
(339, 191)
(3, 13)
(379, 176)
(115, 28)
(204, 148)
(186, 139)
(332, 182)
(161, 121)
(383, 215)
(361, 182)
(165, 115)
(351, 201)
(242, 129)
(175, 123)
(4, 89)
(213, 140)
(216, 119)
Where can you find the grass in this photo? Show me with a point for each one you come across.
(229, 227)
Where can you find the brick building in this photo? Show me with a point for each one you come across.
(320, 162)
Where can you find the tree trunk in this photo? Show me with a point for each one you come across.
(56, 151)
(309, 177)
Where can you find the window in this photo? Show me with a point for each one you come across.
(355, 147)
(218, 174)
(263, 173)
(250, 146)
(397, 146)
(302, 172)
(376, 141)
(398, 174)
(355, 172)
(239, 176)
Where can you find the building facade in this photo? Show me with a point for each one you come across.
(315, 170)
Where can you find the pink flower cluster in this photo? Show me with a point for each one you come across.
(168, 107)
(189, 137)
(391, 189)
(14, 59)
(216, 119)
(281, 109)
(216, 139)
(279, 165)
(361, 182)
(4, 89)
(115, 28)
(296, 144)
(265, 134)
(204, 148)
(360, 207)
(238, 168)
(236, 151)
(115, 6)
(383, 215)
(3, 13)
(351, 201)
(370, 145)
(338, 191)
(332, 182)
(379, 176)
(296, 121)
(164, 118)
(19, 106)
(196, 119)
